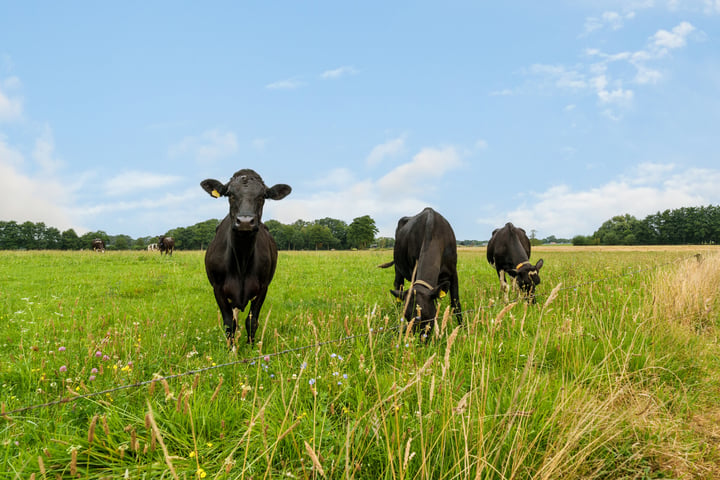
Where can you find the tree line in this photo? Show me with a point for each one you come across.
(323, 234)
(686, 225)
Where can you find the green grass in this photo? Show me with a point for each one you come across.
(614, 375)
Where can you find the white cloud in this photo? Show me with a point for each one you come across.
(422, 172)
(11, 107)
(289, 84)
(609, 19)
(206, 147)
(675, 39)
(402, 191)
(384, 150)
(44, 152)
(650, 187)
(35, 199)
(127, 182)
(338, 72)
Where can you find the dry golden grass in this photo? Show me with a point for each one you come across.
(688, 294)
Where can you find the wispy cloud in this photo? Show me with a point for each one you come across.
(11, 103)
(609, 19)
(208, 146)
(607, 75)
(403, 190)
(385, 150)
(132, 181)
(338, 72)
(288, 84)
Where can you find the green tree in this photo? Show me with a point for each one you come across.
(361, 232)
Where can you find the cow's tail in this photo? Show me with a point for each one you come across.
(386, 265)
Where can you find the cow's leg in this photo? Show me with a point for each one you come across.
(503, 282)
(253, 319)
(455, 297)
(226, 311)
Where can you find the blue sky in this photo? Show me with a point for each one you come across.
(553, 115)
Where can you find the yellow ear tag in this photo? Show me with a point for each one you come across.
(215, 193)
(397, 299)
(442, 293)
(519, 266)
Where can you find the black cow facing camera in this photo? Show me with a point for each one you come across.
(240, 261)
(509, 252)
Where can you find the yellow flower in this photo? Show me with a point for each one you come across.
(209, 444)
(201, 473)
(192, 454)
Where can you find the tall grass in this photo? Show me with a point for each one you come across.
(612, 374)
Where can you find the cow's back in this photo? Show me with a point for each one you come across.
(508, 244)
(427, 235)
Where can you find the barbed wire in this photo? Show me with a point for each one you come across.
(249, 360)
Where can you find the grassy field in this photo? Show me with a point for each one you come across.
(613, 373)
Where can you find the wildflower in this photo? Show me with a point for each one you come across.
(201, 473)
(94, 370)
(106, 358)
(63, 368)
(209, 444)
(333, 355)
(98, 354)
(311, 381)
(345, 376)
(335, 374)
(266, 358)
(303, 366)
(192, 454)
(91, 378)
(61, 349)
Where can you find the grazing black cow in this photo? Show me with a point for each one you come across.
(98, 245)
(509, 251)
(166, 245)
(426, 255)
(240, 261)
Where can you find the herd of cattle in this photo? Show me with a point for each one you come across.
(240, 261)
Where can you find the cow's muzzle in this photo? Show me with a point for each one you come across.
(246, 223)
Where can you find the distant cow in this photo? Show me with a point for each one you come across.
(426, 255)
(508, 251)
(166, 245)
(152, 247)
(98, 245)
(240, 261)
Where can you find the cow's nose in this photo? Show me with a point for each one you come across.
(245, 222)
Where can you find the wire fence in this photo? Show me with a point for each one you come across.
(249, 360)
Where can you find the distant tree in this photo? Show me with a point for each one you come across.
(69, 240)
(338, 228)
(361, 232)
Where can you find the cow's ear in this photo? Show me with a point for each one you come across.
(539, 265)
(399, 294)
(213, 187)
(278, 192)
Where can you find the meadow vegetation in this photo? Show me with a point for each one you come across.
(613, 373)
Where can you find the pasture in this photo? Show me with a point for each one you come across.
(613, 373)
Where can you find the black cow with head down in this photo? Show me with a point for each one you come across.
(240, 261)
(166, 245)
(426, 255)
(509, 252)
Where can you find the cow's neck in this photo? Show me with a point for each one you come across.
(242, 245)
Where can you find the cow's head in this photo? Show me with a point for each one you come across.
(527, 276)
(246, 193)
(421, 305)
